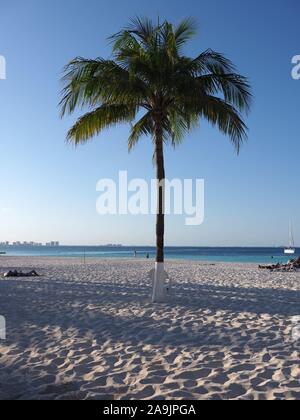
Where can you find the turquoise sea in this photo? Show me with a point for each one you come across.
(244, 255)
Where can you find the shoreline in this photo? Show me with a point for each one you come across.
(121, 259)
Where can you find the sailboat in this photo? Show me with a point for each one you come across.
(291, 249)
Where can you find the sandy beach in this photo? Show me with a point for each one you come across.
(90, 332)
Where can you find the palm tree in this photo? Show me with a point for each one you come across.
(149, 77)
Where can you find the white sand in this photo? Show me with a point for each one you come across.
(90, 332)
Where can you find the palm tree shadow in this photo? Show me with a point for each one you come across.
(84, 309)
(279, 302)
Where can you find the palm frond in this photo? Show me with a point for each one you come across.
(143, 127)
(89, 83)
(144, 30)
(223, 115)
(77, 74)
(178, 123)
(123, 40)
(185, 31)
(235, 88)
(212, 62)
(101, 118)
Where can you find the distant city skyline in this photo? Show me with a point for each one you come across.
(29, 243)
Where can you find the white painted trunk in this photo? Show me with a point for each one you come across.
(159, 289)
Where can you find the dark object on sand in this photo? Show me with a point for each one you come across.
(16, 273)
(290, 266)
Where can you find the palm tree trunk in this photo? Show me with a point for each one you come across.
(159, 277)
(160, 218)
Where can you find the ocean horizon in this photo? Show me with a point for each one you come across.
(212, 254)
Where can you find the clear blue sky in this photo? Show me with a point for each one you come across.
(48, 189)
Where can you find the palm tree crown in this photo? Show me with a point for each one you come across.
(149, 72)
